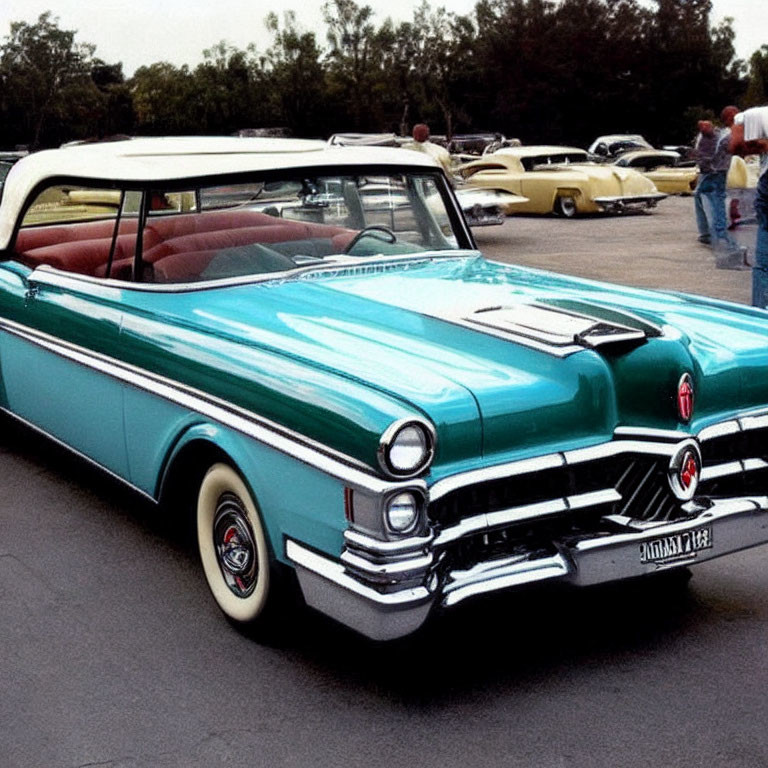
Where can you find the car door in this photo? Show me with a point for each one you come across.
(60, 339)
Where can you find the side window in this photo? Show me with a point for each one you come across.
(65, 203)
(72, 228)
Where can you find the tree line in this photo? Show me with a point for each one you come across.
(538, 70)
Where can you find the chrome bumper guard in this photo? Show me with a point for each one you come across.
(366, 589)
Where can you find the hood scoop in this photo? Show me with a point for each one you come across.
(559, 328)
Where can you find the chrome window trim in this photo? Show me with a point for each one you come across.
(48, 275)
(310, 452)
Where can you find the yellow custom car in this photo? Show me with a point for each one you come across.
(663, 169)
(561, 180)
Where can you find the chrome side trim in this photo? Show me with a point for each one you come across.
(334, 571)
(312, 453)
(79, 454)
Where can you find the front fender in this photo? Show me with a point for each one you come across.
(294, 499)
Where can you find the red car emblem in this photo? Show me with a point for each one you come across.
(685, 470)
(685, 398)
(689, 471)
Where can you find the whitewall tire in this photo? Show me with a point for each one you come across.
(233, 545)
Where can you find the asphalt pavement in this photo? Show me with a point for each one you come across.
(114, 655)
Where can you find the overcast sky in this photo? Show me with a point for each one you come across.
(137, 32)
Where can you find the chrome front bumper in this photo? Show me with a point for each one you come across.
(629, 202)
(382, 613)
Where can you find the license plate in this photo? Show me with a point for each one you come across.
(677, 546)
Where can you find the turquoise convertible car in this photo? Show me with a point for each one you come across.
(302, 347)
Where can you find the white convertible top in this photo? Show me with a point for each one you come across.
(182, 157)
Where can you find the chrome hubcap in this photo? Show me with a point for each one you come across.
(235, 546)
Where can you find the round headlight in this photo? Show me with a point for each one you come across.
(406, 449)
(402, 512)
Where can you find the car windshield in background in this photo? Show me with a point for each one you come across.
(248, 228)
(539, 162)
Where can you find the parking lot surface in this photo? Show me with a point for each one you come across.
(114, 655)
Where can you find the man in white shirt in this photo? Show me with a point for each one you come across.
(749, 136)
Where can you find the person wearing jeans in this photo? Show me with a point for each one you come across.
(714, 155)
(750, 136)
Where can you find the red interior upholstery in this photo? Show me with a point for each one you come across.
(84, 247)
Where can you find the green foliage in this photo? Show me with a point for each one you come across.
(45, 78)
(757, 90)
(542, 70)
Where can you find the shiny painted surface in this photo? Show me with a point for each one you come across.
(338, 356)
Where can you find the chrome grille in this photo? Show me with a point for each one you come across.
(639, 479)
(741, 445)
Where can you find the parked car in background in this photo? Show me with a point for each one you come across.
(349, 396)
(663, 168)
(561, 180)
(607, 148)
(481, 207)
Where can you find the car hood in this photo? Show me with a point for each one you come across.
(503, 360)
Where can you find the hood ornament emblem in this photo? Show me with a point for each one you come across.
(685, 398)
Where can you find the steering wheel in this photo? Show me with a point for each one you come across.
(377, 231)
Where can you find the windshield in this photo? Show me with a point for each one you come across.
(278, 225)
(253, 227)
